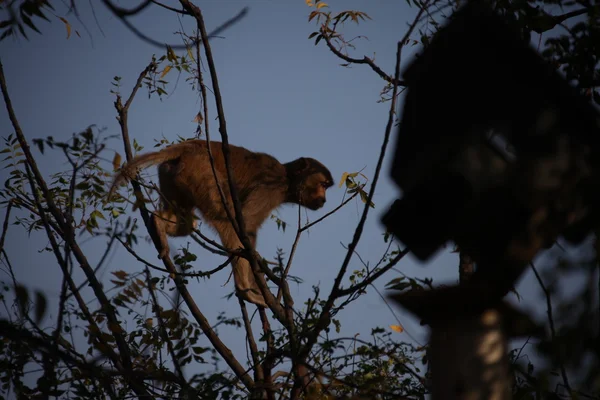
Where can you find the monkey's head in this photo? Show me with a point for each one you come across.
(308, 180)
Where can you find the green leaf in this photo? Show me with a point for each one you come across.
(97, 214)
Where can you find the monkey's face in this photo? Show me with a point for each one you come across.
(313, 191)
(308, 181)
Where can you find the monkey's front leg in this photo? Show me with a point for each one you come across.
(243, 277)
(245, 284)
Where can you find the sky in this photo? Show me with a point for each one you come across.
(282, 95)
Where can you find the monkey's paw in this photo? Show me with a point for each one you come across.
(163, 253)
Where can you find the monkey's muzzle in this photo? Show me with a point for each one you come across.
(316, 203)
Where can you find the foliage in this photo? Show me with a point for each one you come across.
(26, 16)
(140, 333)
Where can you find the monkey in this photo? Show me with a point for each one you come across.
(187, 183)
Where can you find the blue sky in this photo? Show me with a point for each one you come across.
(282, 95)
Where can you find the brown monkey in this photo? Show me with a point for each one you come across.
(187, 182)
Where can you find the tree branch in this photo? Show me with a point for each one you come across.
(259, 375)
(214, 339)
(163, 330)
(324, 317)
(241, 229)
(365, 60)
(563, 371)
(69, 237)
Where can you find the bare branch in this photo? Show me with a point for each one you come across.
(372, 278)
(365, 60)
(325, 314)
(37, 181)
(123, 14)
(563, 370)
(5, 225)
(219, 346)
(309, 225)
(259, 376)
(241, 229)
(163, 330)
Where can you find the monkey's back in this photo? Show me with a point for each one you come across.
(246, 165)
(188, 179)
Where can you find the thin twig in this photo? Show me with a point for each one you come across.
(163, 330)
(267, 364)
(372, 278)
(177, 273)
(365, 60)
(5, 225)
(285, 272)
(563, 370)
(259, 376)
(316, 221)
(102, 259)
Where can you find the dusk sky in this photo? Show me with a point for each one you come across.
(282, 95)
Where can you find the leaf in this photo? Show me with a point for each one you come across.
(7, 33)
(190, 54)
(116, 161)
(82, 186)
(165, 71)
(321, 5)
(40, 306)
(22, 31)
(309, 3)
(199, 349)
(29, 23)
(22, 298)
(97, 214)
(312, 35)
(312, 15)
(397, 328)
(199, 119)
(67, 25)
(171, 56)
(343, 179)
(364, 197)
(120, 274)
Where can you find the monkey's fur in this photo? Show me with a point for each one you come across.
(187, 182)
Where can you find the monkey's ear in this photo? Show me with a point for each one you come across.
(299, 166)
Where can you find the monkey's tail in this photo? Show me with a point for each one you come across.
(129, 170)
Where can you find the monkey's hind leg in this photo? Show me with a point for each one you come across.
(169, 222)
